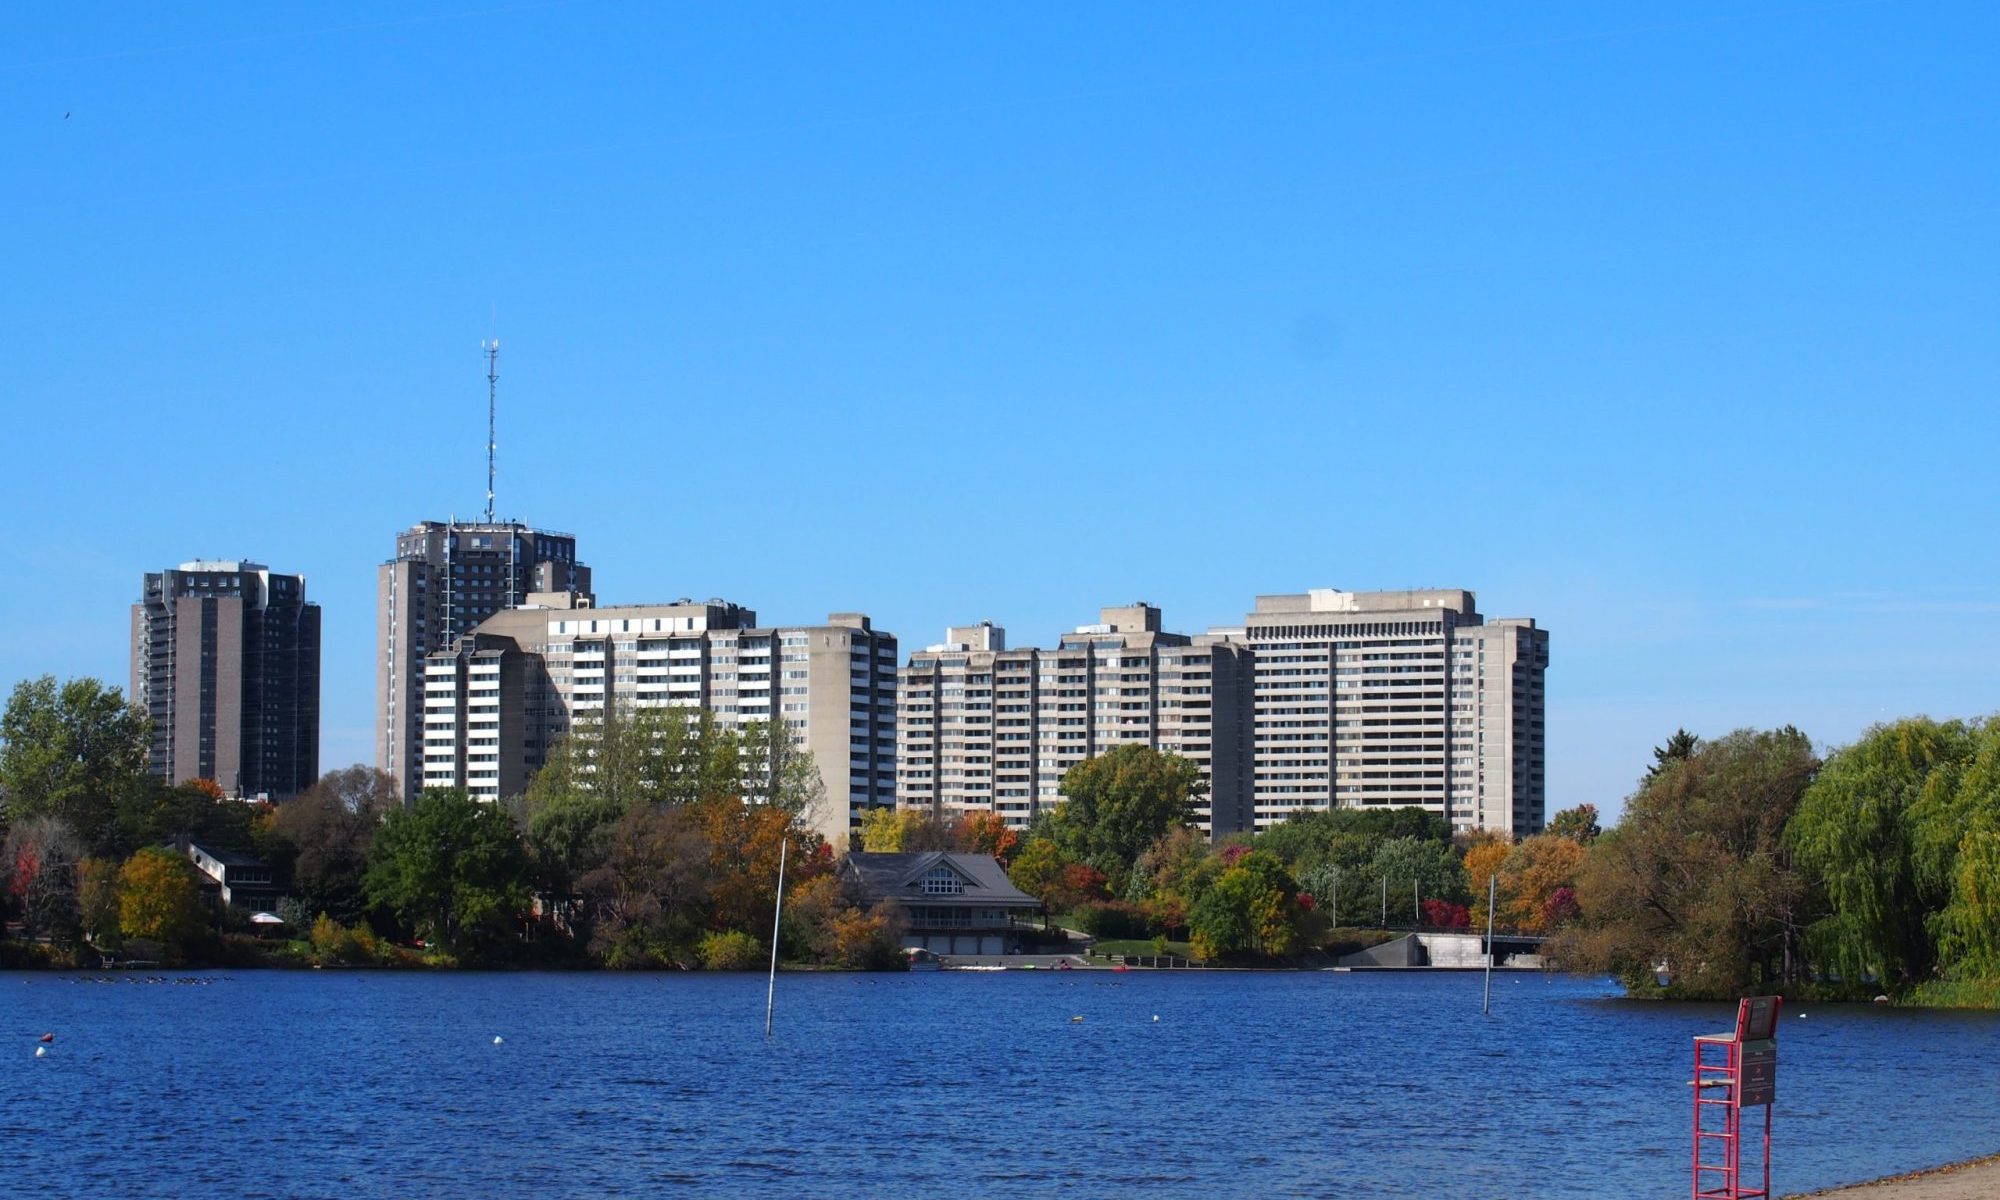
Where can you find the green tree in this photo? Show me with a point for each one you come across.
(779, 774)
(908, 830)
(1347, 837)
(1431, 866)
(1856, 834)
(150, 812)
(1969, 926)
(732, 950)
(324, 835)
(678, 756)
(1696, 874)
(569, 837)
(1679, 748)
(881, 831)
(1037, 868)
(1179, 866)
(451, 868)
(69, 750)
(159, 901)
(650, 760)
(649, 897)
(1119, 803)
(1955, 848)
(1251, 909)
(1578, 824)
(97, 901)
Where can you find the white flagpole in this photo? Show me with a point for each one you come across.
(1486, 1004)
(777, 913)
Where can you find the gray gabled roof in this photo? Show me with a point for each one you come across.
(900, 877)
(229, 858)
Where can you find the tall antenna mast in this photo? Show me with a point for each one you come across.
(492, 350)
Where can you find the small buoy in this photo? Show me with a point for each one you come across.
(41, 1051)
(1881, 999)
(1802, 1016)
(496, 1039)
(1076, 1020)
(1156, 1018)
(48, 1037)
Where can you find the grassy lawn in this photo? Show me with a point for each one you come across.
(1138, 946)
(1348, 941)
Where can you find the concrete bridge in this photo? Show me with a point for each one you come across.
(1450, 951)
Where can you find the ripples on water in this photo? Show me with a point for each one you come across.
(347, 1085)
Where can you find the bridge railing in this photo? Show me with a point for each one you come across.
(1499, 931)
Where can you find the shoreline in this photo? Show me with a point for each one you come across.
(1970, 1179)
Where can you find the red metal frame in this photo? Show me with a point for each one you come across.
(1718, 1091)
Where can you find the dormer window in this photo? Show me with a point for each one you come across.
(943, 881)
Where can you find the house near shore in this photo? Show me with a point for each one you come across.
(951, 903)
(231, 878)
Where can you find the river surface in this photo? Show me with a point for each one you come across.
(374, 1084)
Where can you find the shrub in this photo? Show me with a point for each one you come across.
(1075, 885)
(336, 943)
(870, 941)
(1442, 914)
(1560, 908)
(731, 951)
(1112, 919)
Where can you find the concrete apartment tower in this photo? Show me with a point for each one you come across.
(498, 697)
(982, 728)
(1380, 699)
(446, 578)
(225, 660)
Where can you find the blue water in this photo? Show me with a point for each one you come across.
(323, 1084)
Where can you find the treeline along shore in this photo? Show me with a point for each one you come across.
(651, 840)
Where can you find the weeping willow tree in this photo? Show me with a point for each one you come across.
(1867, 832)
(1958, 856)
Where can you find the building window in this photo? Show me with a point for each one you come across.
(942, 881)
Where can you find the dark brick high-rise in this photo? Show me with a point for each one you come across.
(225, 660)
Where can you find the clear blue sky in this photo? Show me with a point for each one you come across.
(1671, 326)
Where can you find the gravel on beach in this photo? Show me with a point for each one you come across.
(1977, 1179)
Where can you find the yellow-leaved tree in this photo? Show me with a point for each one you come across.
(158, 900)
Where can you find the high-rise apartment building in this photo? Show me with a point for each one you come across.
(983, 728)
(499, 696)
(1367, 699)
(446, 578)
(225, 660)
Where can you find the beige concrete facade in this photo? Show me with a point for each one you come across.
(1367, 699)
(498, 699)
(986, 729)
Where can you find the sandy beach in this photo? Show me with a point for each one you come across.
(1978, 1179)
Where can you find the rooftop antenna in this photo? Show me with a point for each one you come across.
(492, 351)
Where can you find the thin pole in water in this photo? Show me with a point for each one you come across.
(1486, 1004)
(777, 913)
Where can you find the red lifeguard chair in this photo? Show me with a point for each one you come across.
(1743, 1074)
